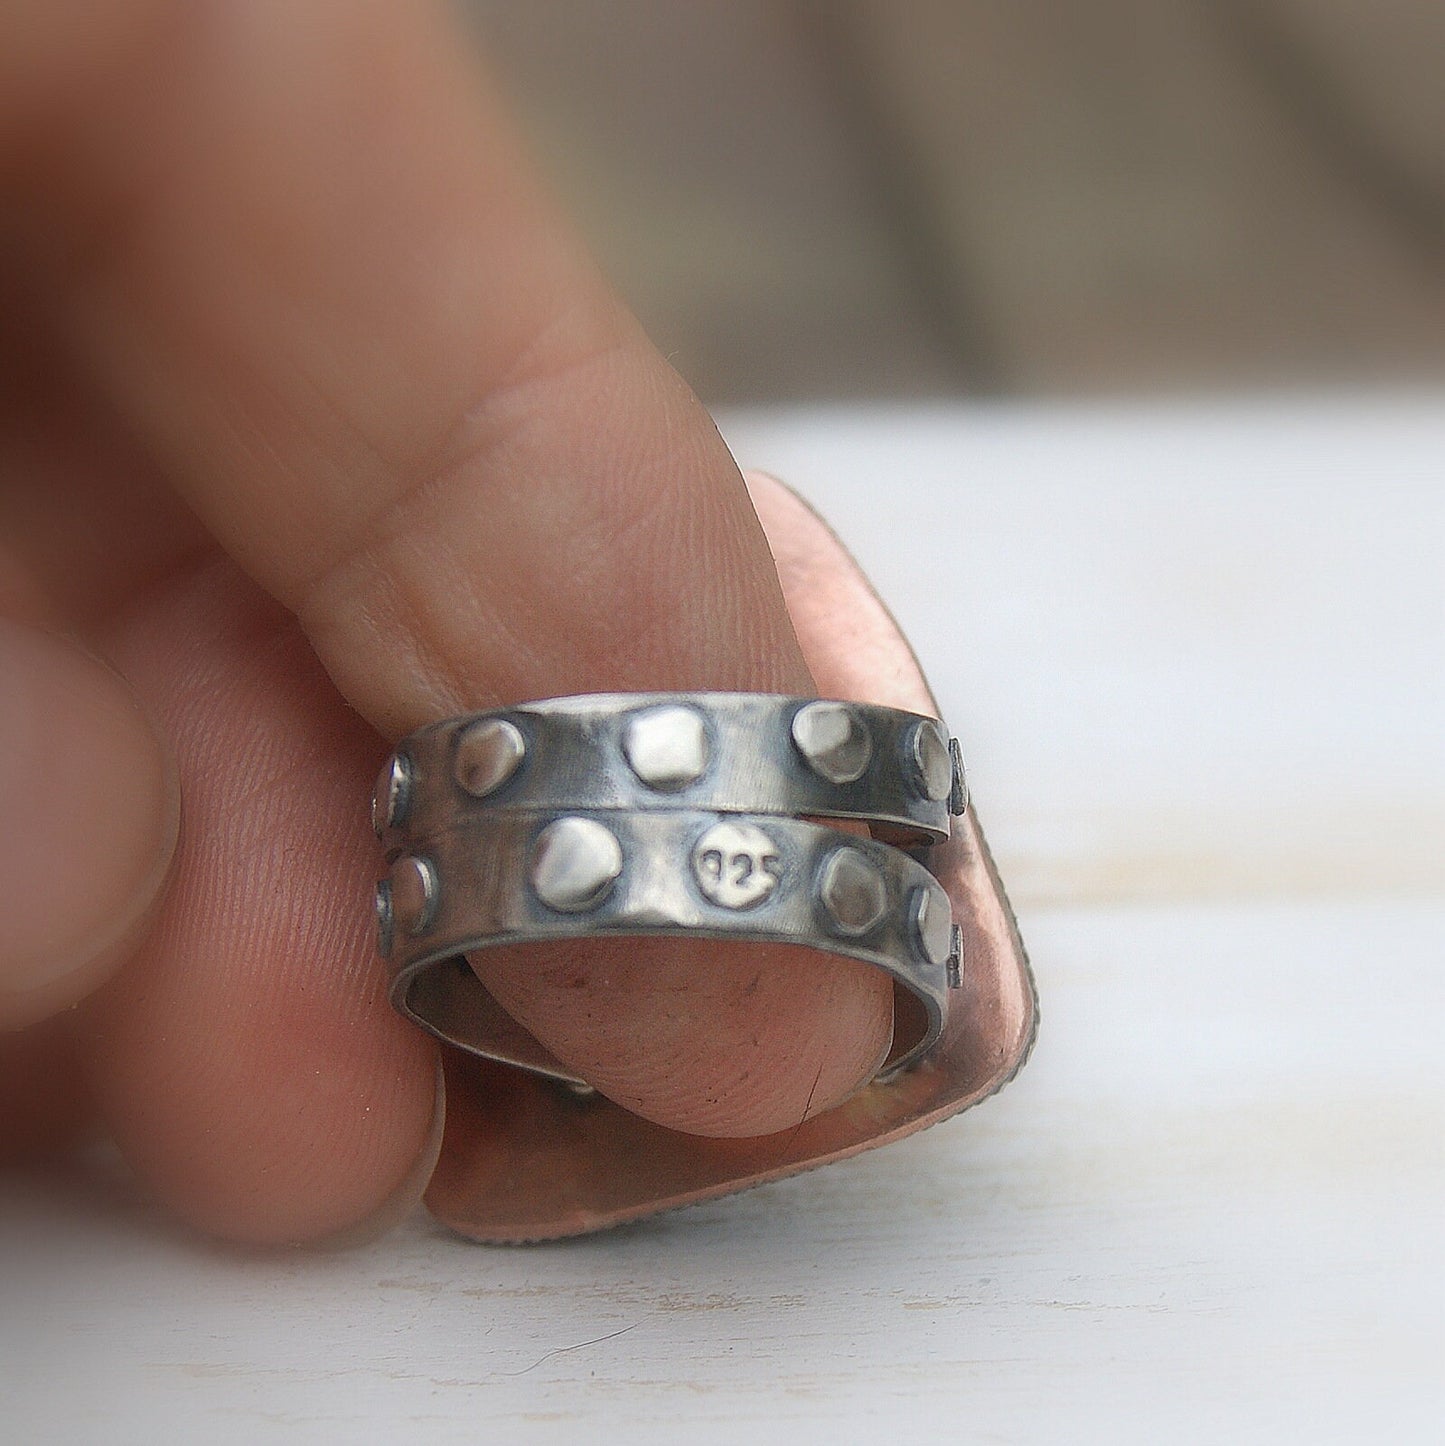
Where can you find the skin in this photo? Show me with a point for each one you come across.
(316, 425)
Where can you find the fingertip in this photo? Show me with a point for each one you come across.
(92, 804)
(726, 1040)
(246, 1061)
(404, 1197)
(324, 1161)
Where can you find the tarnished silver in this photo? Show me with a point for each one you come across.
(526, 1159)
(852, 891)
(667, 746)
(731, 752)
(737, 864)
(486, 754)
(388, 801)
(932, 924)
(834, 740)
(412, 890)
(526, 876)
(685, 814)
(958, 794)
(575, 862)
(931, 758)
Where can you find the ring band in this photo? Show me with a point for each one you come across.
(526, 877)
(666, 814)
(732, 752)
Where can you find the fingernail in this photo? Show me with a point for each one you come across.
(91, 810)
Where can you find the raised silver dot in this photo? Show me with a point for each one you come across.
(575, 864)
(385, 923)
(932, 923)
(666, 747)
(929, 760)
(852, 891)
(833, 740)
(488, 753)
(737, 866)
(413, 893)
(392, 794)
(958, 796)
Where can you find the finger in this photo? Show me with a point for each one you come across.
(419, 420)
(856, 659)
(44, 1105)
(106, 540)
(380, 369)
(246, 1058)
(86, 522)
(91, 806)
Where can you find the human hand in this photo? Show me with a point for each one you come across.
(318, 426)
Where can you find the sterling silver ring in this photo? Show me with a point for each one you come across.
(683, 814)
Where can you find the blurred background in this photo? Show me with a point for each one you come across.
(816, 199)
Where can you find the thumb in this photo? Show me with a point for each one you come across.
(91, 808)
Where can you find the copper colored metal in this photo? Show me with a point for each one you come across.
(527, 1159)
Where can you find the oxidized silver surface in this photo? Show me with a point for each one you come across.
(731, 752)
(528, 1158)
(658, 814)
(654, 873)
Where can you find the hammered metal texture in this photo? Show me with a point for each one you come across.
(525, 1158)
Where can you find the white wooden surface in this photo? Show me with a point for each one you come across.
(1196, 656)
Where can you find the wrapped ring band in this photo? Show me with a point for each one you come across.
(527, 1159)
(672, 814)
(523, 877)
(733, 752)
